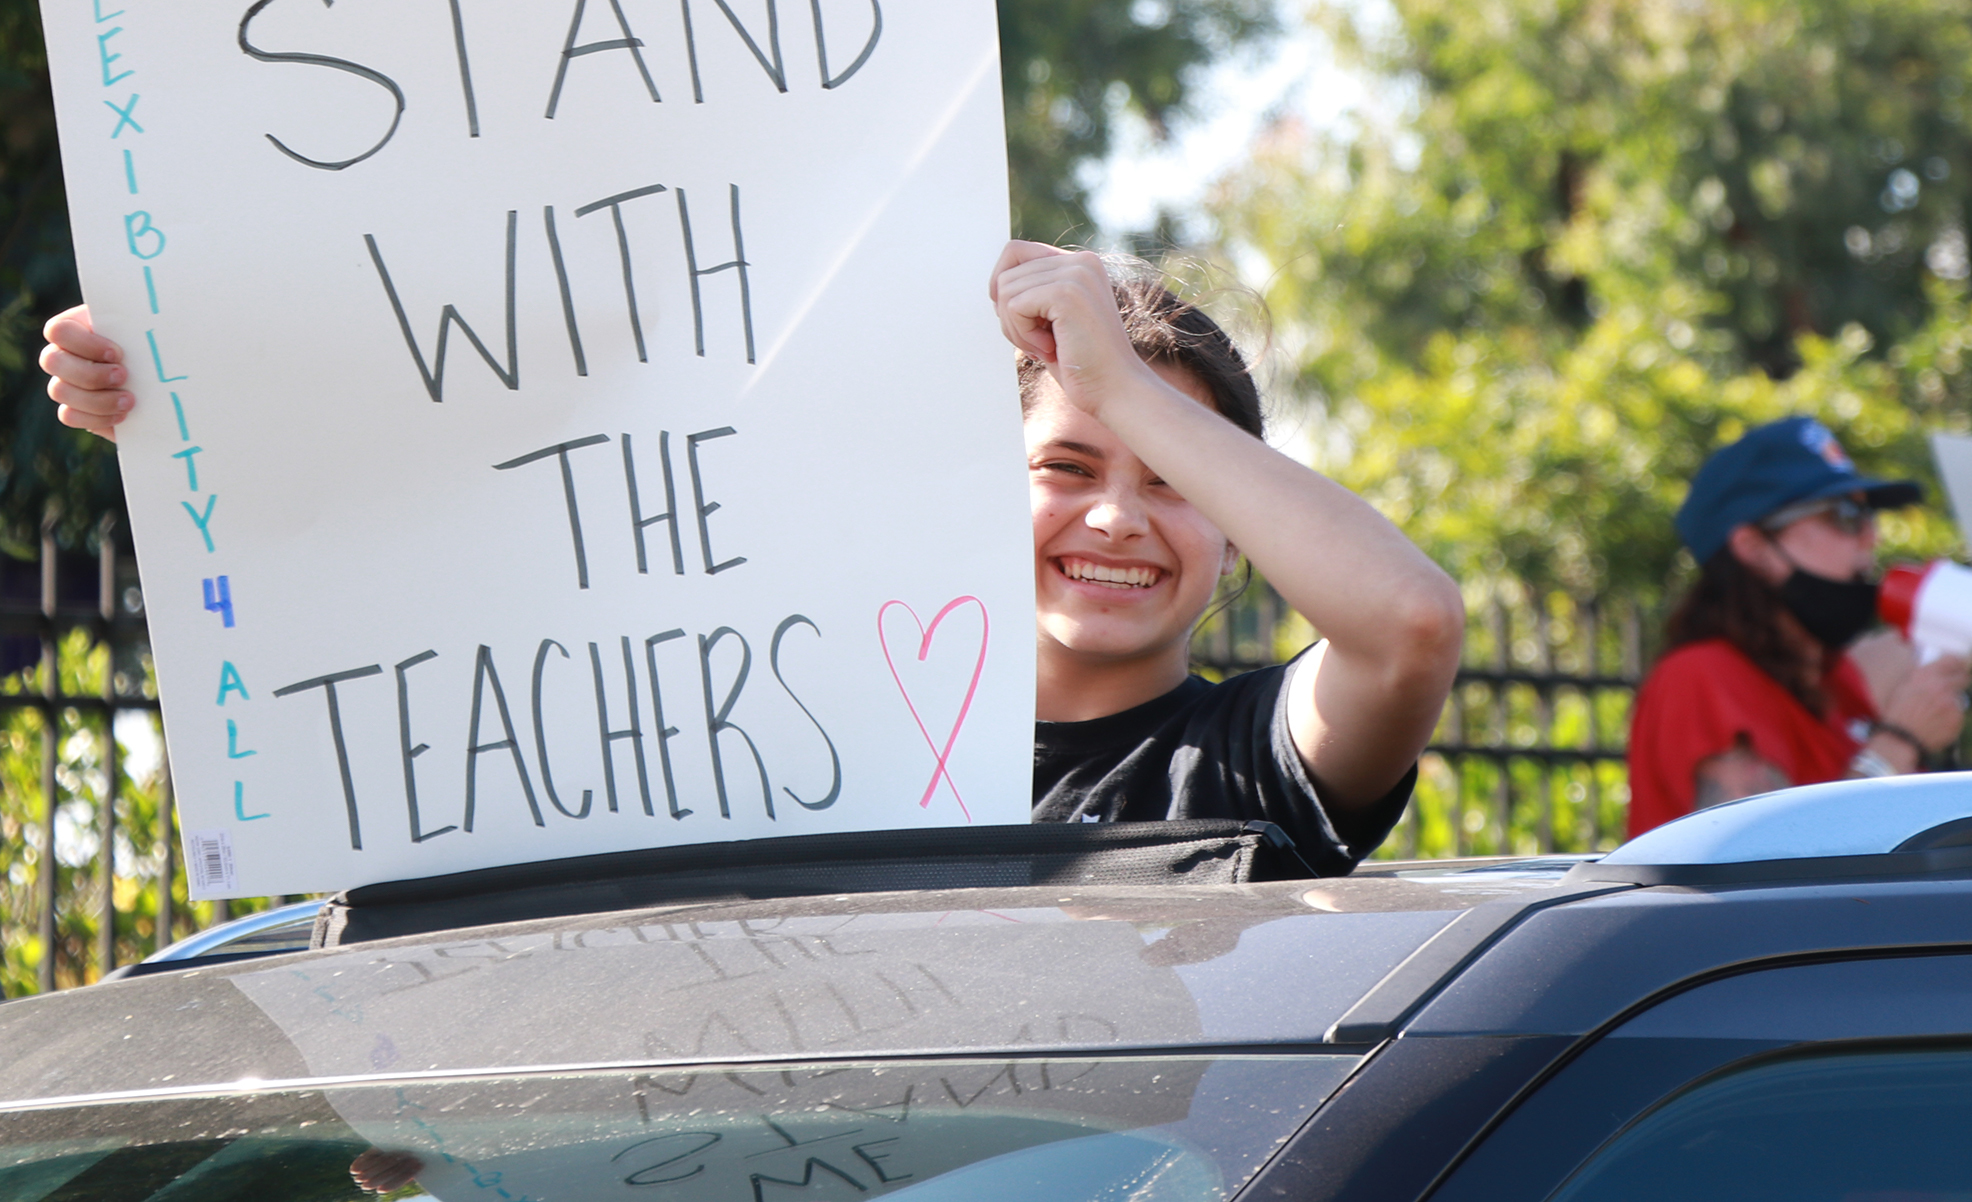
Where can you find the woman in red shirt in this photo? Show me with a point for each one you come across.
(1757, 690)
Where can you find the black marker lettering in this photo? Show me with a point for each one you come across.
(483, 672)
(875, 1159)
(807, 1177)
(615, 206)
(418, 833)
(772, 66)
(322, 60)
(665, 1142)
(328, 686)
(1006, 1071)
(435, 379)
(560, 451)
(425, 975)
(691, 50)
(835, 761)
(787, 1137)
(629, 41)
(567, 299)
(637, 519)
(699, 503)
(664, 733)
(541, 737)
(737, 263)
(1086, 1028)
(631, 732)
(822, 48)
(719, 720)
(465, 69)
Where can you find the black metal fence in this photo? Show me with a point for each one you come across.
(74, 672)
(1530, 754)
(1528, 757)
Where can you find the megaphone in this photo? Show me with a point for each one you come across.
(1931, 605)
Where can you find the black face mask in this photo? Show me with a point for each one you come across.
(1833, 611)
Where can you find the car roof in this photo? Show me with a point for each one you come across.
(1877, 816)
(1028, 970)
(1331, 965)
(1580, 968)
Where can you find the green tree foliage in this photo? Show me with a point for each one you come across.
(1609, 236)
(1071, 66)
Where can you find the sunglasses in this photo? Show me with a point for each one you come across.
(1846, 514)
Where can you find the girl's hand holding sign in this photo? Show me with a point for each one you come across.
(86, 374)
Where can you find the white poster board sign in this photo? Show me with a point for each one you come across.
(563, 426)
(1953, 453)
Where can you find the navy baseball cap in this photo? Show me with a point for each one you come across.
(1791, 460)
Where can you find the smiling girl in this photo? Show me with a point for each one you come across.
(1149, 481)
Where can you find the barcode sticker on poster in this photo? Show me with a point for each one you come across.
(209, 858)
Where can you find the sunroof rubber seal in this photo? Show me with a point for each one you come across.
(1927, 862)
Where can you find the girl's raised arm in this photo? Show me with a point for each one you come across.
(1362, 706)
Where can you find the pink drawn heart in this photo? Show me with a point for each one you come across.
(926, 633)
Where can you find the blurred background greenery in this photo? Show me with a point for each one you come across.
(1604, 238)
(1583, 243)
(1593, 241)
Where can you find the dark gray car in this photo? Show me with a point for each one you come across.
(1771, 999)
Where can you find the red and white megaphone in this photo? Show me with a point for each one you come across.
(1931, 605)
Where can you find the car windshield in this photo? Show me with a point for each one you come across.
(1154, 1129)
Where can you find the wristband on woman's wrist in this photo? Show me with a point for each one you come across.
(1870, 763)
(1902, 736)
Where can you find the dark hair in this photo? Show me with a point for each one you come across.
(1731, 602)
(1169, 332)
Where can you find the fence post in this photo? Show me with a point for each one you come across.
(1633, 640)
(1455, 736)
(1502, 721)
(167, 807)
(106, 824)
(1592, 668)
(50, 721)
(1543, 721)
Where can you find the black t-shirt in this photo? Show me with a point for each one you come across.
(1203, 750)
